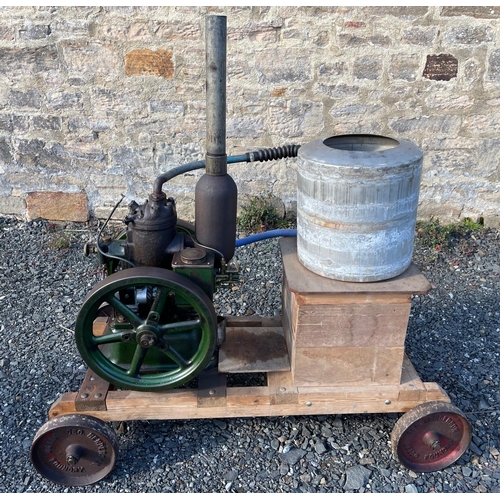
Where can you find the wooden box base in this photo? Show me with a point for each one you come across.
(341, 333)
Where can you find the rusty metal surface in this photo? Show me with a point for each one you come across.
(92, 393)
(74, 450)
(212, 387)
(431, 436)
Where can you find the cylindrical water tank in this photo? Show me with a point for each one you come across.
(357, 203)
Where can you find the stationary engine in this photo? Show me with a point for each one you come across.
(150, 325)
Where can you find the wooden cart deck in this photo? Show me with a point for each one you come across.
(214, 399)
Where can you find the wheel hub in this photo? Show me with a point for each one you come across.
(147, 340)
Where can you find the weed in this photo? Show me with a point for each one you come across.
(260, 214)
(432, 234)
(59, 241)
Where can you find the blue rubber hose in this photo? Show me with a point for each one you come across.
(275, 233)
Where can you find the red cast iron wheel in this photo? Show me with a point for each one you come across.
(431, 436)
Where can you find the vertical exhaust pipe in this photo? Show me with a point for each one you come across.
(216, 192)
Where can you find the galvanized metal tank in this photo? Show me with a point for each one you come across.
(357, 203)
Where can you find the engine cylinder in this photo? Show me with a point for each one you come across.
(151, 229)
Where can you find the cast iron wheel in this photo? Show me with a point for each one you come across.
(74, 450)
(431, 436)
(159, 344)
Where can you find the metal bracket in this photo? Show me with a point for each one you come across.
(92, 393)
(212, 388)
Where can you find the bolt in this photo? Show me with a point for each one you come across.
(71, 460)
(283, 389)
(92, 378)
(97, 395)
(431, 439)
(72, 454)
(147, 340)
(84, 395)
(211, 392)
(387, 401)
(309, 403)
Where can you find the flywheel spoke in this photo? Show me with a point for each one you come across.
(108, 338)
(124, 310)
(137, 360)
(176, 357)
(160, 300)
(179, 326)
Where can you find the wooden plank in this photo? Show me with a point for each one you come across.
(355, 325)
(411, 386)
(353, 298)
(253, 321)
(434, 392)
(99, 325)
(305, 282)
(281, 388)
(254, 349)
(251, 402)
(331, 366)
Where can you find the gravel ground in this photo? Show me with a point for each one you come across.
(453, 340)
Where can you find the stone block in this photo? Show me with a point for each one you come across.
(57, 206)
(5, 152)
(64, 100)
(5, 123)
(404, 67)
(35, 32)
(296, 118)
(245, 127)
(420, 36)
(90, 59)
(427, 125)
(20, 124)
(278, 66)
(21, 62)
(411, 12)
(341, 91)
(6, 33)
(478, 12)
(348, 40)
(12, 205)
(469, 35)
(177, 31)
(494, 66)
(167, 106)
(146, 62)
(367, 68)
(443, 100)
(30, 98)
(35, 153)
(441, 67)
(43, 122)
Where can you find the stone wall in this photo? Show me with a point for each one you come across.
(98, 101)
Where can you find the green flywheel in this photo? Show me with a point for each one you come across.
(159, 329)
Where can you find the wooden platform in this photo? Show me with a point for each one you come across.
(278, 398)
